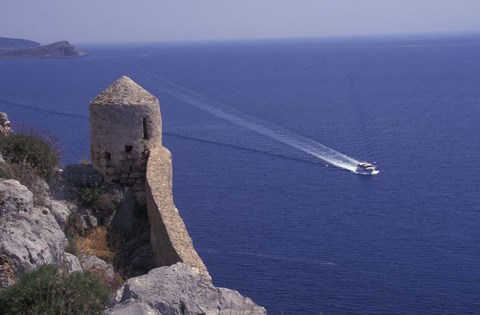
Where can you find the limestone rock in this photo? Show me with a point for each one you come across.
(98, 266)
(59, 210)
(176, 290)
(5, 128)
(72, 264)
(132, 308)
(29, 235)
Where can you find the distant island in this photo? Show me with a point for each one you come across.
(16, 43)
(22, 48)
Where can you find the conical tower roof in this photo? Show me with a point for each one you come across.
(124, 91)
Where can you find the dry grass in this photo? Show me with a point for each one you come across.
(95, 243)
(7, 270)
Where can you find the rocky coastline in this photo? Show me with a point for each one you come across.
(36, 229)
(62, 49)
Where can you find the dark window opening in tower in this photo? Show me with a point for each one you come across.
(146, 136)
(128, 148)
(108, 156)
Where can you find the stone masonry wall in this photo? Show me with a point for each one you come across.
(126, 147)
(128, 171)
(119, 149)
(169, 236)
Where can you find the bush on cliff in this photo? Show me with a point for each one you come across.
(47, 291)
(31, 148)
(97, 199)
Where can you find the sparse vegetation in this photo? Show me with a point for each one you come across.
(29, 147)
(96, 198)
(95, 243)
(29, 157)
(27, 176)
(47, 290)
(73, 230)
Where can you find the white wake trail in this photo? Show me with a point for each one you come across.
(260, 126)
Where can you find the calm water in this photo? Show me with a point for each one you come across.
(275, 223)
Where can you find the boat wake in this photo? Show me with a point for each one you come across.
(262, 127)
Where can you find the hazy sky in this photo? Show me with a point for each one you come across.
(160, 20)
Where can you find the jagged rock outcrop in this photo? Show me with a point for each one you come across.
(56, 50)
(29, 235)
(98, 267)
(5, 128)
(72, 263)
(176, 290)
(133, 169)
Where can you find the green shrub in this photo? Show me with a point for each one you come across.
(31, 148)
(4, 173)
(98, 200)
(89, 196)
(73, 230)
(47, 291)
(74, 225)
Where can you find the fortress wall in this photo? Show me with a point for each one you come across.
(126, 144)
(119, 155)
(125, 122)
(169, 236)
(119, 149)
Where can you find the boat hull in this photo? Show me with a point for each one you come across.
(365, 172)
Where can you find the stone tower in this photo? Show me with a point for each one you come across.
(125, 124)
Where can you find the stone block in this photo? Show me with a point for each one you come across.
(111, 170)
(139, 162)
(138, 169)
(140, 196)
(124, 176)
(135, 175)
(139, 186)
(126, 163)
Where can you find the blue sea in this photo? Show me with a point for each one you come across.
(289, 230)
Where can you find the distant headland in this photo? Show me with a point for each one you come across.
(22, 48)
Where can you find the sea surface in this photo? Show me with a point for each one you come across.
(289, 230)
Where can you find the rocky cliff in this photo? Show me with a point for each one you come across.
(176, 290)
(55, 50)
(31, 236)
(34, 227)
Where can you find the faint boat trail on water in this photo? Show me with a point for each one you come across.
(260, 126)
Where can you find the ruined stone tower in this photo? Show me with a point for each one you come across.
(126, 140)
(125, 124)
